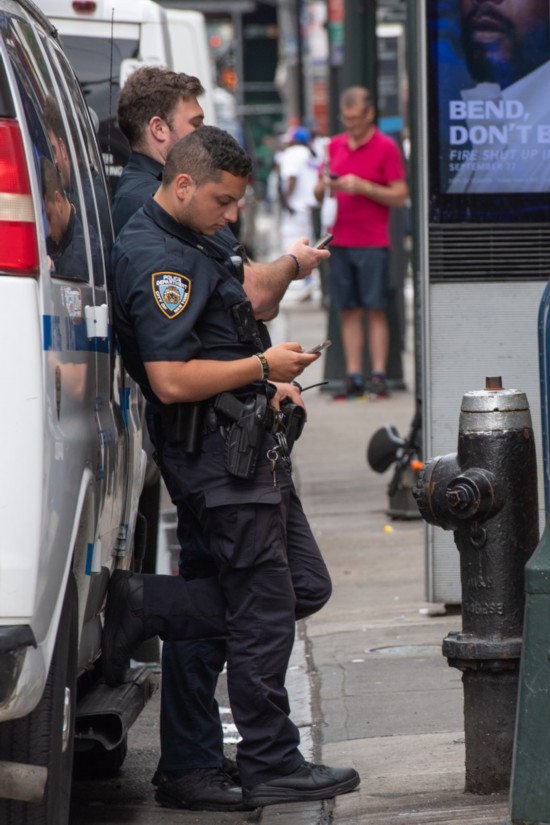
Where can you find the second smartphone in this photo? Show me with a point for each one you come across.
(324, 241)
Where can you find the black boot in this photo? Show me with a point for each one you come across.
(124, 627)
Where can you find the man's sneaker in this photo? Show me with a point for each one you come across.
(124, 629)
(308, 782)
(378, 387)
(202, 789)
(354, 388)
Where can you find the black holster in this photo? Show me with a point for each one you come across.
(245, 435)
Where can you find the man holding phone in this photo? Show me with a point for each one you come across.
(366, 175)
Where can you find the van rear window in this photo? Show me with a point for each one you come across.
(7, 106)
(6, 102)
(97, 61)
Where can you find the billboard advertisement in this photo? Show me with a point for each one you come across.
(489, 109)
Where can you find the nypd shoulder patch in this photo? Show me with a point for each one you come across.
(171, 292)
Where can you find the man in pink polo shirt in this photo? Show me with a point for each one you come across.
(365, 173)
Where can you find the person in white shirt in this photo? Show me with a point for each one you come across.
(296, 163)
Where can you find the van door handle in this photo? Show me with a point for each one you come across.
(97, 321)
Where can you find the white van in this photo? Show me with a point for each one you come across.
(71, 463)
(106, 40)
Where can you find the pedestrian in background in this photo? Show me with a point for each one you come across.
(295, 165)
(366, 174)
(298, 171)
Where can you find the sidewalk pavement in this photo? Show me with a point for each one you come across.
(368, 684)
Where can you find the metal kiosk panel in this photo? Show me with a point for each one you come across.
(482, 189)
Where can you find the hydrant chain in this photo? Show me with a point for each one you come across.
(478, 535)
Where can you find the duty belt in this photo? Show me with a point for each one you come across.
(242, 423)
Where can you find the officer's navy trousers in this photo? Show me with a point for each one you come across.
(269, 573)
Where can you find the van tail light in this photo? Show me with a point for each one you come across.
(84, 5)
(18, 239)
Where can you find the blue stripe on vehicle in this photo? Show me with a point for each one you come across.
(75, 336)
(125, 404)
(89, 559)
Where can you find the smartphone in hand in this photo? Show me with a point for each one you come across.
(320, 347)
(324, 241)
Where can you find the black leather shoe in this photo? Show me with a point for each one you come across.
(123, 630)
(307, 782)
(229, 767)
(203, 789)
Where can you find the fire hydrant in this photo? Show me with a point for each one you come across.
(487, 494)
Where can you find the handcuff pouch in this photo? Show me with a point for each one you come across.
(293, 420)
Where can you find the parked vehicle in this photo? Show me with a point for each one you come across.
(72, 462)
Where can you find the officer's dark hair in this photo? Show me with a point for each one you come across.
(153, 91)
(204, 154)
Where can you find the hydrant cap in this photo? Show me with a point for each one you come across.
(494, 401)
(494, 410)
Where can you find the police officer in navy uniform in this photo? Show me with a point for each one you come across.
(157, 107)
(189, 338)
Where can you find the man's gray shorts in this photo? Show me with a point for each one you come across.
(358, 277)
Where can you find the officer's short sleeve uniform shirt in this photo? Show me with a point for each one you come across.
(173, 295)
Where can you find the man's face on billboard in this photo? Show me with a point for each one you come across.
(504, 40)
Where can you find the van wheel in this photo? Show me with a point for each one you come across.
(46, 736)
(99, 763)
